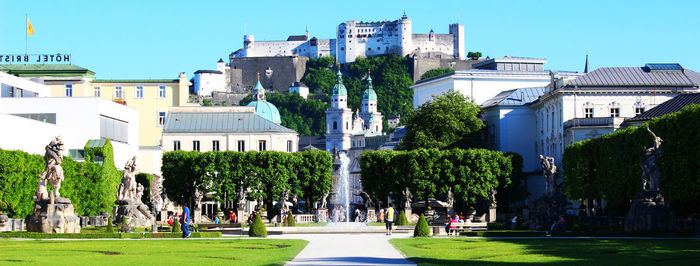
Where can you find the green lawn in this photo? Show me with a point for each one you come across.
(464, 251)
(153, 252)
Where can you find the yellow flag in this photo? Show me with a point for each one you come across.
(30, 29)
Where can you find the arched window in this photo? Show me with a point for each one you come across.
(335, 125)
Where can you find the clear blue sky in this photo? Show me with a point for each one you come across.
(158, 39)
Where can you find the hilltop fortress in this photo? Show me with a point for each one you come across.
(357, 39)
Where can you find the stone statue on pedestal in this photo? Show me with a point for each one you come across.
(157, 201)
(492, 198)
(650, 171)
(242, 193)
(52, 214)
(549, 169)
(649, 211)
(407, 198)
(450, 199)
(324, 201)
(53, 172)
(129, 194)
(366, 199)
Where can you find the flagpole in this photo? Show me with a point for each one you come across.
(26, 32)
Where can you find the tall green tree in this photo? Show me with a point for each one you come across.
(448, 121)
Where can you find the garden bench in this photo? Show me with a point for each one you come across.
(473, 226)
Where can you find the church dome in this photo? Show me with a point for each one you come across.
(262, 107)
(266, 110)
(339, 88)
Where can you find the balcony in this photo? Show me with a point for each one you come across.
(613, 122)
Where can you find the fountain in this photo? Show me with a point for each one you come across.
(341, 197)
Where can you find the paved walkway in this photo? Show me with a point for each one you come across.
(347, 249)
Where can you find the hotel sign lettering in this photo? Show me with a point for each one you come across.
(34, 58)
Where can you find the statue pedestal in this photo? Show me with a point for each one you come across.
(53, 218)
(242, 216)
(135, 212)
(409, 215)
(322, 215)
(491, 216)
(371, 215)
(649, 213)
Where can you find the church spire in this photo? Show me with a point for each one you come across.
(585, 68)
(259, 91)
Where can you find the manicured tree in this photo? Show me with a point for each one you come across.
(401, 219)
(314, 174)
(290, 220)
(422, 229)
(110, 228)
(257, 229)
(185, 173)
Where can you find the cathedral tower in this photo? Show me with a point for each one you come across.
(372, 118)
(338, 118)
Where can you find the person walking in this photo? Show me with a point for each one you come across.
(381, 216)
(185, 222)
(389, 219)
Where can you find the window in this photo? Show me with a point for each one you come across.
(335, 125)
(161, 92)
(118, 92)
(176, 145)
(588, 112)
(139, 92)
(195, 145)
(262, 145)
(215, 145)
(241, 145)
(114, 129)
(289, 146)
(161, 118)
(638, 110)
(615, 112)
(69, 90)
(97, 92)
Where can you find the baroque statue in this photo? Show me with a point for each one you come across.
(407, 198)
(650, 171)
(53, 172)
(492, 198)
(366, 199)
(129, 189)
(549, 169)
(242, 193)
(324, 201)
(157, 201)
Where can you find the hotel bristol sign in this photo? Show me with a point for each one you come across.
(34, 58)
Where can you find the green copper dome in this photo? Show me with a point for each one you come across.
(369, 93)
(266, 110)
(339, 88)
(262, 107)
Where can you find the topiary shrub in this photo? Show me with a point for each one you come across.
(422, 229)
(257, 229)
(110, 228)
(401, 220)
(290, 220)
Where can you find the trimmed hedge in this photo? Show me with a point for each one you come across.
(608, 167)
(35, 235)
(401, 219)
(290, 220)
(422, 228)
(306, 174)
(90, 186)
(471, 173)
(257, 229)
(503, 233)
